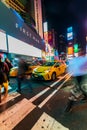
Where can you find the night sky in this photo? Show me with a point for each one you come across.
(61, 14)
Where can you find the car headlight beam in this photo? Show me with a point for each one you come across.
(47, 71)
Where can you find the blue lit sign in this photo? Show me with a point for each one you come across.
(69, 29)
(70, 36)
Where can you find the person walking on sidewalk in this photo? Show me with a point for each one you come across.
(22, 75)
(78, 68)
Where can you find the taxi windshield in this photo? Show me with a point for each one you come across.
(48, 63)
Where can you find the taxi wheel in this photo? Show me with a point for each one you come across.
(53, 77)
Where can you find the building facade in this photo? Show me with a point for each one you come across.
(38, 17)
(20, 38)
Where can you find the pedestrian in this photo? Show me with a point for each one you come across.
(3, 78)
(78, 68)
(8, 62)
(22, 74)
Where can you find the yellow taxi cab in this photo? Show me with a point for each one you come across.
(14, 70)
(49, 70)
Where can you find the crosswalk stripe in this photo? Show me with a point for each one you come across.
(46, 122)
(38, 95)
(3, 127)
(10, 111)
(46, 99)
(16, 113)
(10, 97)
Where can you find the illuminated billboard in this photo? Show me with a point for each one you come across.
(69, 33)
(45, 27)
(3, 44)
(69, 29)
(70, 50)
(19, 47)
(46, 37)
(76, 48)
(70, 36)
(50, 38)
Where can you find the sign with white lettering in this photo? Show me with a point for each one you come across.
(16, 27)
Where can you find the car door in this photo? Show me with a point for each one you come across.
(58, 68)
(63, 67)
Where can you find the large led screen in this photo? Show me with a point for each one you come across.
(19, 47)
(45, 27)
(70, 36)
(69, 29)
(70, 50)
(3, 44)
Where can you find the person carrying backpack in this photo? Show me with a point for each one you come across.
(3, 77)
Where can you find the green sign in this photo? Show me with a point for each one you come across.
(75, 48)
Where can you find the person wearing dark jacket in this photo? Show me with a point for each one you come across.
(9, 64)
(22, 68)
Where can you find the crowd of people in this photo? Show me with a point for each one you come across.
(5, 67)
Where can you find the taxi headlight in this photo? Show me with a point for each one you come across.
(47, 71)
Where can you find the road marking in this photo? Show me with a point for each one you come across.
(46, 99)
(13, 115)
(10, 97)
(39, 94)
(45, 90)
(46, 122)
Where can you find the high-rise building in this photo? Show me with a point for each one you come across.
(24, 8)
(31, 12)
(29, 15)
(17, 38)
(38, 17)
